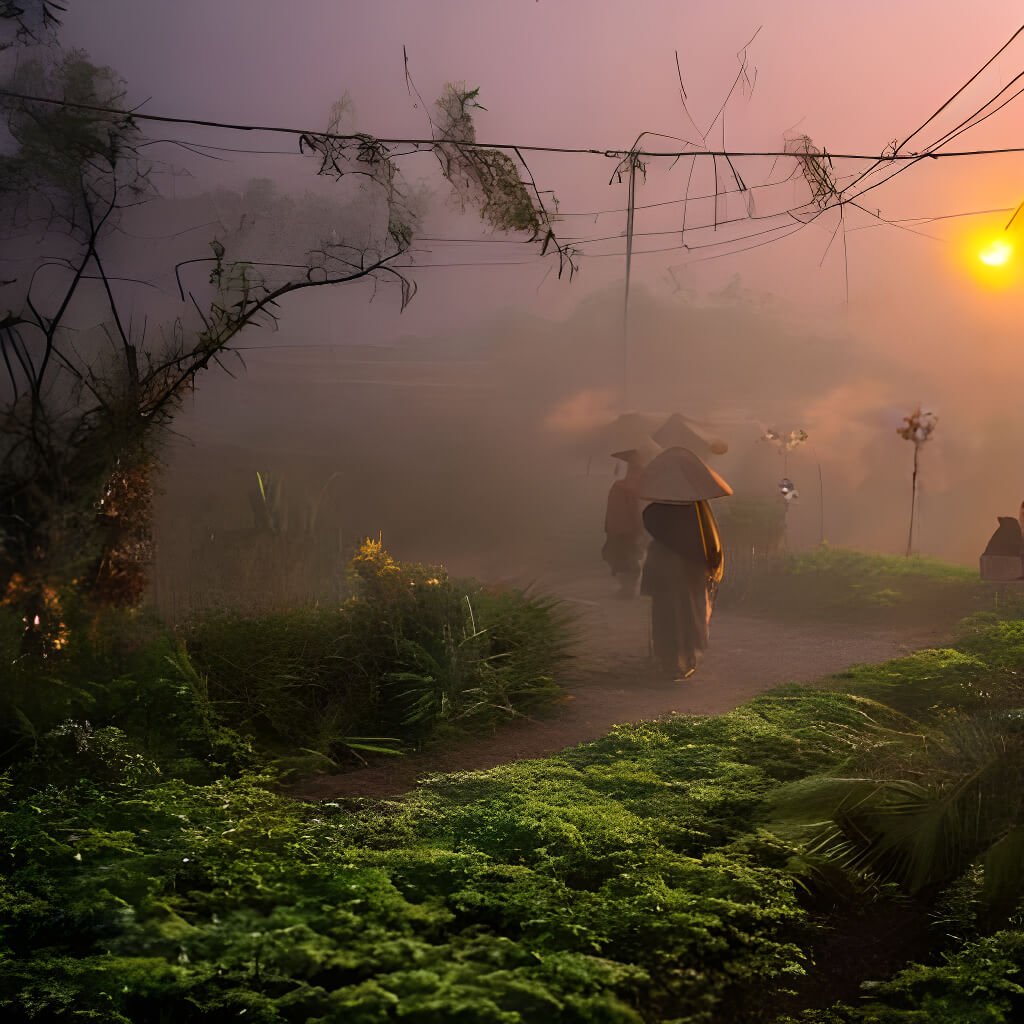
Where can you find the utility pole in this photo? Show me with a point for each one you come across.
(630, 208)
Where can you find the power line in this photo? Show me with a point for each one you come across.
(931, 149)
(618, 154)
(690, 199)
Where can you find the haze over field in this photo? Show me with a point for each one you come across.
(457, 426)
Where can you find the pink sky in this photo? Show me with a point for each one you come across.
(595, 73)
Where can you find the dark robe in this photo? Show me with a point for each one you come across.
(624, 529)
(683, 569)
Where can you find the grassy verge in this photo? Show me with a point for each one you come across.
(619, 882)
(850, 586)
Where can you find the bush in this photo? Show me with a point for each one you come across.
(981, 983)
(623, 881)
(410, 652)
(121, 680)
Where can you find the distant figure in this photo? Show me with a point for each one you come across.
(1007, 540)
(681, 575)
(685, 562)
(624, 529)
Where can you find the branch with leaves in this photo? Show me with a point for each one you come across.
(84, 413)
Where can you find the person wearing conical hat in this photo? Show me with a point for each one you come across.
(624, 529)
(685, 561)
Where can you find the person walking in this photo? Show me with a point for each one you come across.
(685, 560)
(624, 529)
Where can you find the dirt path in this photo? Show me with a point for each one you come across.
(611, 681)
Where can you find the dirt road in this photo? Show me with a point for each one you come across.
(611, 681)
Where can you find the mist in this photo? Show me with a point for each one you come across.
(461, 427)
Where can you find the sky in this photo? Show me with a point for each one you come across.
(589, 73)
(595, 74)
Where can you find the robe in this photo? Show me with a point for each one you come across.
(624, 529)
(685, 563)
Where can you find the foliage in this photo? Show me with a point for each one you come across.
(410, 651)
(410, 654)
(121, 694)
(751, 522)
(631, 879)
(85, 411)
(943, 799)
(614, 883)
(980, 983)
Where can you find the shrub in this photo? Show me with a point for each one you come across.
(981, 983)
(410, 652)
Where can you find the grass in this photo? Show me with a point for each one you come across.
(628, 880)
(413, 654)
(146, 875)
(836, 584)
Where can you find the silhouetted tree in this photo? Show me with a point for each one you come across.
(84, 409)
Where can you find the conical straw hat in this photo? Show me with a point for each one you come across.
(630, 430)
(677, 476)
(675, 432)
(642, 452)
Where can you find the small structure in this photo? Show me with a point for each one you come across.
(1003, 558)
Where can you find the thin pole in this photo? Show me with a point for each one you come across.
(913, 501)
(630, 208)
(821, 506)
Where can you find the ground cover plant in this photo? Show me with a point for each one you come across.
(619, 882)
(687, 870)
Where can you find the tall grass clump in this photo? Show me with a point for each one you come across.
(120, 690)
(412, 651)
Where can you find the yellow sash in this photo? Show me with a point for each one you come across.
(712, 541)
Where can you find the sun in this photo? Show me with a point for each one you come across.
(996, 253)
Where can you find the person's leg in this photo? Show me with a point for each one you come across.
(692, 626)
(628, 583)
(663, 631)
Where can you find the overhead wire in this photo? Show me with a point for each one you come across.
(927, 121)
(609, 152)
(902, 160)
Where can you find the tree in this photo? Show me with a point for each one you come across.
(84, 409)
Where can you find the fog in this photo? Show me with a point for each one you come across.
(462, 428)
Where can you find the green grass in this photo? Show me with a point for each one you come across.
(842, 585)
(623, 881)
(642, 878)
(411, 657)
(613, 882)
